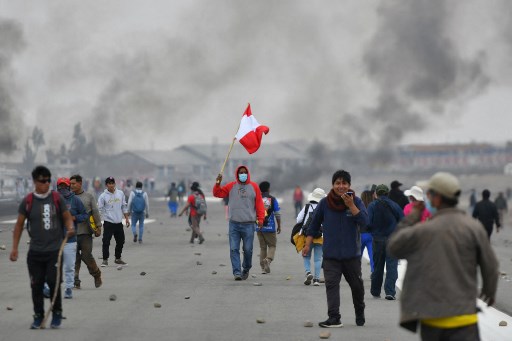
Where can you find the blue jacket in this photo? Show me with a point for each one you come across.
(77, 209)
(341, 230)
(384, 215)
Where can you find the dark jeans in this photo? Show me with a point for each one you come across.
(84, 253)
(41, 268)
(116, 230)
(467, 333)
(381, 258)
(351, 269)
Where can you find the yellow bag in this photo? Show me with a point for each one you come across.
(94, 228)
(300, 241)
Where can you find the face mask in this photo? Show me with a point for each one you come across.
(242, 177)
(64, 191)
(429, 207)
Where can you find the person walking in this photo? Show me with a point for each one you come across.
(195, 214)
(485, 211)
(384, 214)
(48, 218)
(415, 194)
(443, 255)
(502, 207)
(138, 205)
(79, 215)
(85, 232)
(298, 198)
(267, 233)
(396, 194)
(339, 216)
(366, 237)
(112, 206)
(305, 215)
(246, 212)
(173, 200)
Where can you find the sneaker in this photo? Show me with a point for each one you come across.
(140, 241)
(308, 279)
(266, 265)
(120, 261)
(245, 275)
(97, 281)
(77, 283)
(360, 320)
(38, 319)
(331, 323)
(238, 278)
(68, 293)
(390, 297)
(56, 320)
(316, 282)
(46, 291)
(263, 272)
(135, 238)
(201, 240)
(104, 263)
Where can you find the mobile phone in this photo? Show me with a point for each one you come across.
(350, 193)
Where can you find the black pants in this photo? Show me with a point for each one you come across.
(468, 333)
(41, 268)
(116, 230)
(351, 269)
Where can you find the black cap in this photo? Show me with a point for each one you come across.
(195, 186)
(396, 184)
(110, 180)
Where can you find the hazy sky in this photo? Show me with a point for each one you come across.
(157, 74)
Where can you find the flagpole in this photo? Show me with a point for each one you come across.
(231, 147)
(227, 156)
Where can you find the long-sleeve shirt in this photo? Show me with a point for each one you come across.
(144, 195)
(112, 206)
(341, 229)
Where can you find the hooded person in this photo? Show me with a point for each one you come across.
(415, 194)
(80, 215)
(246, 213)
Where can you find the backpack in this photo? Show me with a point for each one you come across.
(29, 200)
(268, 211)
(138, 202)
(297, 227)
(199, 204)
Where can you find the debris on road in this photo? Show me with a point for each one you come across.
(260, 320)
(157, 305)
(143, 273)
(503, 324)
(112, 297)
(308, 324)
(214, 272)
(325, 335)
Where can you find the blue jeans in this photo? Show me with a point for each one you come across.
(138, 217)
(318, 251)
(173, 207)
(381, 258)
(69, 258)
(366, 241)
(245, 233)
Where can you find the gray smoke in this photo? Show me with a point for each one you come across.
(11, 43)
(415, 64)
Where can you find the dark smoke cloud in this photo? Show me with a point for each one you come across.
(417, 69)
(11, 43)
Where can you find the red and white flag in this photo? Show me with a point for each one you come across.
(250, 132)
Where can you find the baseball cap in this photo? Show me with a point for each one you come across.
(63, 181)
(381, 189)
(110, 180)
(443, 183)
(396, 184)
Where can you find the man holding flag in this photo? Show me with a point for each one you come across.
(246, 209)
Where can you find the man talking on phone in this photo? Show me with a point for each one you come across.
(339, 216)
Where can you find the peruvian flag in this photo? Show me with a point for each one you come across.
(250, 132)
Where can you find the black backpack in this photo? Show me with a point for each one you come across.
(297, 227)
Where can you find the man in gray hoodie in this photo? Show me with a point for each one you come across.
(112, 206)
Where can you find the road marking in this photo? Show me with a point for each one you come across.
(488, 319)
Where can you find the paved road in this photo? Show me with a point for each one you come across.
(218, 309)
